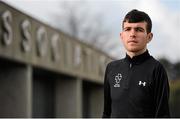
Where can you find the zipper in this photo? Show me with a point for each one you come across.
(129, 75)
(130, 65)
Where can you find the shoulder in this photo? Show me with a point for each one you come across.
(115, 63)
(113, 67)
(158, 64)
(155, 63)
(158, 67)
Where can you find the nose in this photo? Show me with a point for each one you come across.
(132, 33)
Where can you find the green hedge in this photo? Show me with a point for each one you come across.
(175, 98)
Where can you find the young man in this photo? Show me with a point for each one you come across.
(136, 86)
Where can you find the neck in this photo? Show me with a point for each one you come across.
(133, 54)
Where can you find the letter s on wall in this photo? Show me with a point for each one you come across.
(25, 31)
(7, 29)
(42, 43)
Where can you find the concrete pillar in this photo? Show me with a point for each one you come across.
(96, 102)
(15, 90)
(92, 100)
(68, 98)
(43, 95)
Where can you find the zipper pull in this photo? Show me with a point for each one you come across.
(130, 65)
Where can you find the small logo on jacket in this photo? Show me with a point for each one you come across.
(118, 78)
(142, 83)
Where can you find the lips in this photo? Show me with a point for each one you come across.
(132, 41)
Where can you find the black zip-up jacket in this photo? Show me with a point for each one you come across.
(136, 87)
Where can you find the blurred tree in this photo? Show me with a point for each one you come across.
(173, 69)
(177, 70)
(174, 101)
(80, 21)
(168, 66)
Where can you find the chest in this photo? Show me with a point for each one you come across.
(131, 83)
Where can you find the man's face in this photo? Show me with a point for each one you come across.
(135, 37)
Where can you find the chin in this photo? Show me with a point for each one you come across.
(133, 49)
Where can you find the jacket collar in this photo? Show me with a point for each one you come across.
(138, 59)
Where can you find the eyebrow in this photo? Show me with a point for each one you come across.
(134, 28)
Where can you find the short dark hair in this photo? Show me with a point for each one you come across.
(135, 16)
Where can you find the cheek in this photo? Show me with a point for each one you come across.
(124, 41)
(123, 37)
(146, 40)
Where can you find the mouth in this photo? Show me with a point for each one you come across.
(132, 41)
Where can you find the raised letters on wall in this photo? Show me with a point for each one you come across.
(7, 29)
(41, 42)
(26, 44)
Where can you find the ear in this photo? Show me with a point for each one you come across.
(121, 35)
(150, 36)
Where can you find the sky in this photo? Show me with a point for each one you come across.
(165, 15)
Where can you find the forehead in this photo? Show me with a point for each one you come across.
(134, 25)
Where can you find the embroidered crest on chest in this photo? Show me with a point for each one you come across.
(117, 79)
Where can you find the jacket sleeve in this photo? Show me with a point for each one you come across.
(107, 96)
(161, 93)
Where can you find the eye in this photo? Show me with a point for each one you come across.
(127, 29)
(139, 29)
